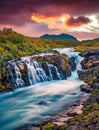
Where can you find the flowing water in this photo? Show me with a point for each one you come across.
(30, 104)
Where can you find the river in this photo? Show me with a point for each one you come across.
(36, 102)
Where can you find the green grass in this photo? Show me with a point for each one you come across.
(92, 45)
(95, 91)
(63, 127)
(49, 126)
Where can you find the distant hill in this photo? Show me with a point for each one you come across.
(62, 36)
(90, 40)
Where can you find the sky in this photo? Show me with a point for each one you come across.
(34, 18)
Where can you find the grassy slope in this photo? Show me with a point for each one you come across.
(13, 45)
(92, 45)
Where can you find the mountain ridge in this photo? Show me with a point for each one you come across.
(61, 36)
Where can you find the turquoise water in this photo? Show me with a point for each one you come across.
(33, 103)
(30, 104)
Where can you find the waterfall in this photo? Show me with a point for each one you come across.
(40, 72)
(35, 72)
(31, 73)
(18, 77)
(14, 75)
(54, 74)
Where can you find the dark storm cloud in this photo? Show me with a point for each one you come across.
(18, 12)
(77, 22)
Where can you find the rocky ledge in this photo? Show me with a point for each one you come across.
(18, 72)
(90, 70)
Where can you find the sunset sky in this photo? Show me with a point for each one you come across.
(37, 17)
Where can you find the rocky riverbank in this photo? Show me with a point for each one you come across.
(83, 115)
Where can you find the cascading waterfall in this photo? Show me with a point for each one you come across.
(14, 75)
(54, 74)
(40, 72)
(18, 76)
(35, 72)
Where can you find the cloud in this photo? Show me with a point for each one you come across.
(53, 22)
(19, 11)
(77, 22)
(34, 17)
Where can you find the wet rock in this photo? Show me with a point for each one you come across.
(90, 60)
(95, 85)
(83, 74)
(21, 67)
(72, 63)
(60, 61)
(91, 53)
(72, 128)
(86, 88)
(96, 63)
(70, 114)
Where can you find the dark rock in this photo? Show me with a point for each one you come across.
(86, 88)
(95, 64)
(60, 61)
(81, 54)
(95, 85)
(83, 74)
(97, 99)
(72, 63)
(70, 114)
(90, 61)
(91, 53)
(72, 128)
(45, 66)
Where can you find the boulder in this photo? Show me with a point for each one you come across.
(83, 74)
(91, 59)
(96, 63)
(60, 61)
(72, 63)
(96, 85)
(86, 88)
(91, 53)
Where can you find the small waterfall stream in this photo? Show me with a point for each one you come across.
(30, 104)
(35, 72)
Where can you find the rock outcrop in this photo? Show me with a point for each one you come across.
(86, 88)
(90, 66)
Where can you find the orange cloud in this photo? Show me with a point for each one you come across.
(42, 18)
(53, 22)
(60, 22)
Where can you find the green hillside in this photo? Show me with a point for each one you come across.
(14, 45)
(92, 45)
